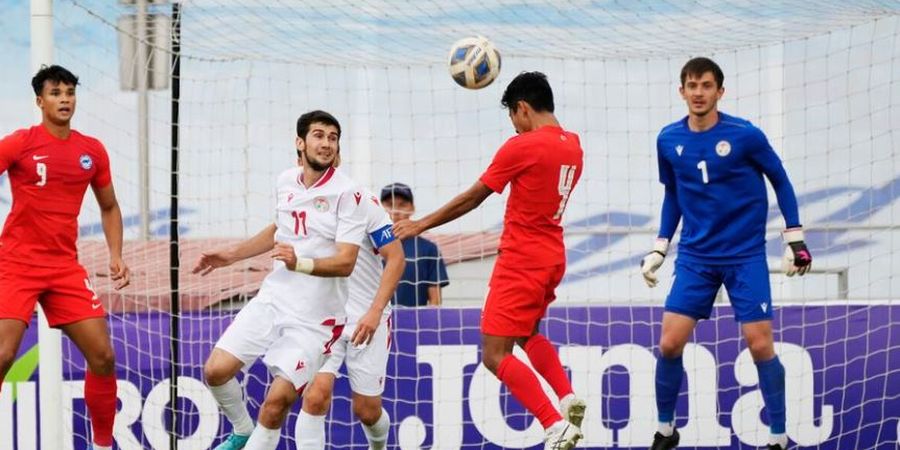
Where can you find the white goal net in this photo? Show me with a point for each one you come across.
(820, 78)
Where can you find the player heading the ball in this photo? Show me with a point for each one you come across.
(542, 164)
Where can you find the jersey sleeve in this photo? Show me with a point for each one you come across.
(351, 218)
(509, 161)
(764, 157)
(666, 173)
(11, 147)
(103, 176)
(378, 224)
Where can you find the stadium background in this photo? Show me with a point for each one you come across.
(820, 78)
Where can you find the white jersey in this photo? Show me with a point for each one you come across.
(314, 220)
(366, 276)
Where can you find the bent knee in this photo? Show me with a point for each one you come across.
(316, 402)
(368, 411)
(215, 375)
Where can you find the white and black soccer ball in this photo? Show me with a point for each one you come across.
(474, 62)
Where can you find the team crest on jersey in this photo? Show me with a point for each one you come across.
(679, 149)
(86, 162)
(321, 204)
(723, 148)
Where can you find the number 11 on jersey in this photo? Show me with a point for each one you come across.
(566, 179)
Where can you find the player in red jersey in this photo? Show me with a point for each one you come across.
(50, 166)
(543, 164)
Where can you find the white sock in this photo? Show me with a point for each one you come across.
(230, 398)
(311, 431)
(377, 434)
(778, 439)
(568, 397)
(666, 428)
(101, 447)
(263, 438)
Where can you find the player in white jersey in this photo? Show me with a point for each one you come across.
(366, 341)
(298, 313)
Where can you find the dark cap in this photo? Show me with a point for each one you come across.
(396, 190)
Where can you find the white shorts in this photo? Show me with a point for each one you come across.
(367, 365)
(291, 349)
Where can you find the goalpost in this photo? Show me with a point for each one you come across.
(822, 80)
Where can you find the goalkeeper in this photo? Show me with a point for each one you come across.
(712, 167)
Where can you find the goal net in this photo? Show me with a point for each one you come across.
(821, 79)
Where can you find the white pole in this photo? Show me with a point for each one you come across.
(143, 119)
(49, 340)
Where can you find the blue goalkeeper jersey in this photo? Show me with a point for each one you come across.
(714, 182)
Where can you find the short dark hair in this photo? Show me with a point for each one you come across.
(54, 74)
(317, 116)
(530, 87)
(696, 67)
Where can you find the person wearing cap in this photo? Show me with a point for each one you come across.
(425, 274)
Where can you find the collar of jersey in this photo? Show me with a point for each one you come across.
(322, 180)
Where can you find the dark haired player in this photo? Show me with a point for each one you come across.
(543, 164)
(50, 167)
(712, 166)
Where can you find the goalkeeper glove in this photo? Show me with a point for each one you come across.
(797, 259)
(653, 260)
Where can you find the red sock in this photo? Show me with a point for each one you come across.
(545, 360)
(526, 388)
(100, 398)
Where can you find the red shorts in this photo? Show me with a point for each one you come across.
(65, 293)
(518, 298)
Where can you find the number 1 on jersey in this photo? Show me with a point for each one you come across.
(702, 166)
(299, 221)
(566, 179)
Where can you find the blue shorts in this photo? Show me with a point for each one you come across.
(696, 286)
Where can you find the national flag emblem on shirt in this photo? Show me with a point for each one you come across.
(679, 149)
(723, 148)
(86, 162)
(321, 204)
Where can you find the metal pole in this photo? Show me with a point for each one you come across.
(143, 119)
(175, 306)
(49, 340)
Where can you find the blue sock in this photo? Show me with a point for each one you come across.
(771, 383)
(669, 372)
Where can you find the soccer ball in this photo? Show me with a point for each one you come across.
(474, 62)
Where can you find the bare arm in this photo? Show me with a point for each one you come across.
(256, 245)
(339, 265)
(394, 263)
(434, 295)
(459, 206)
(111, 218)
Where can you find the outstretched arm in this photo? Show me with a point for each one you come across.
(459, 206)
(256, 245)
(111, 218)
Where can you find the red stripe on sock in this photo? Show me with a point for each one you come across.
(545, 359)
(101, 402)
(526, 388)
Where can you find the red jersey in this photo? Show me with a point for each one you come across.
(543, 167)
(48, 177)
